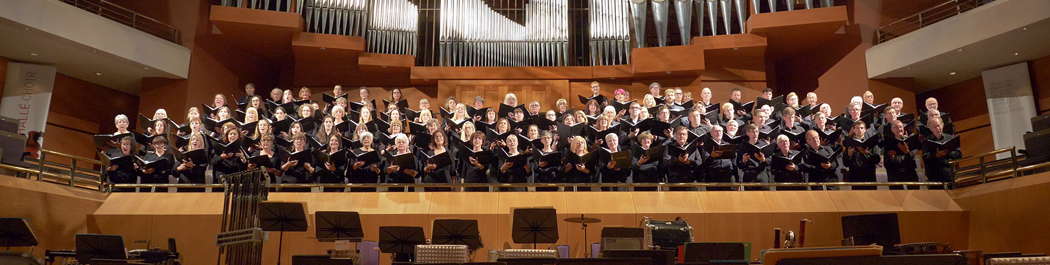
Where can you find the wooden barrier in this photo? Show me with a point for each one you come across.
(193, 218)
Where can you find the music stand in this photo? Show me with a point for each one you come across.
(535, 225)
(456, 232)
(15, 232)
(879, 229)
(400, 241)
(341, 228)
(336, 226)
(282, 217)
(104, 247)
(319, 260)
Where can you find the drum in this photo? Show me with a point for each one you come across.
(668, 235)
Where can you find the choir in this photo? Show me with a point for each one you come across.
(664, 136)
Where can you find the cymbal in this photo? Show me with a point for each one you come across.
(583, 220)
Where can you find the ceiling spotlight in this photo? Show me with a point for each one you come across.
(98, 73)
(952, 73)
(1024, 28)
(33, 54)
(1017, 53)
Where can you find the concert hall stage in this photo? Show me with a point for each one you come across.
(750, 216)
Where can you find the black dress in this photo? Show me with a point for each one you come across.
(194, 175)
(124, 173)
(648, 172)
(439, 175)
(611, 175)
(338, 176)
(474, 174)
(163, 174)
(298, 174)
(363, 174)
(221, 167)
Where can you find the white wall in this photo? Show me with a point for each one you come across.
(71, 23)
(979, 24)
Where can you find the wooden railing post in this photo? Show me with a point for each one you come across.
(40, 175)
(1013, 160)
(73, 173)
(980, 161)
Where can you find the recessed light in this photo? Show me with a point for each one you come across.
(952, 73)
(98, 73)
(1017, 53)
(1024, 28)
(33, 54)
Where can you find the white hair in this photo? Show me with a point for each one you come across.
(856, 99)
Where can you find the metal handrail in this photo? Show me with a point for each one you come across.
(43, 164)
(981, 172)
(30, 171)
(533, 186)
(128, 17)
(925, 18)
(989, 153)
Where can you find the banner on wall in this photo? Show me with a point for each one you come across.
(1010, 105)
(27, 99)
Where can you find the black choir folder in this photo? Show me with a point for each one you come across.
(949, 142)
(622, 158)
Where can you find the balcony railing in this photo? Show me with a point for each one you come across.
(82, 172)
(496, 187)
(128, 17)
(925, 18)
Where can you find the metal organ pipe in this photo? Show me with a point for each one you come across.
(392, 27)
(472, 34)
(610, 31)
(660, 9)
(684, 11)
(340, 17)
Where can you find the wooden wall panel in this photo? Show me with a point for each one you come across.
(55, 213)
(887, 89)
(716, 216)
(3, 70)
(1008, 215)
(1039, 70)
(544, 91)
